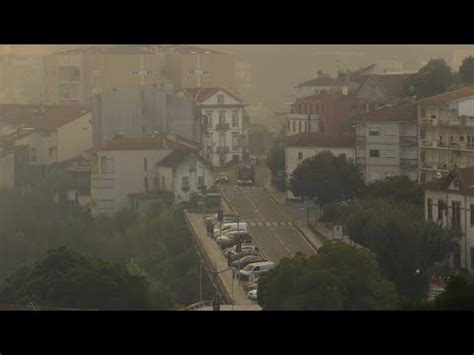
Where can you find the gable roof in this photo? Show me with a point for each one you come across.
(400, 112)
(463, 178)
(178, 156)
(202, 94)
(462, 93)
(321, 81)
(390, 84)
(44, 117)
(149, 143)
(311, 139)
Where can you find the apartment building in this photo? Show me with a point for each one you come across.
(449, 200)
(387, 142)
(446, 132)
(224, 122)
(305, 145)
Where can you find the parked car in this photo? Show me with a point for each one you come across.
(221, 179)
(252, 294)
(231, 238)
(245, 260)
(235, 256)
(254, 270)
(241, 226)
(216, 224)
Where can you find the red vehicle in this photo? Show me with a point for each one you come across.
(246, 175)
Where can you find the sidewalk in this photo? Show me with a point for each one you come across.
(216, 257)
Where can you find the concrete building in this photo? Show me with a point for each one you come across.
(387, 142)
(140, 111)
(450, 201)
(225, 124)
(306, 145)
(73, 76)
(319, 85)
(446, 132)
(127, 170)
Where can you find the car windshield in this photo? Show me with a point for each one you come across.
(248, 268)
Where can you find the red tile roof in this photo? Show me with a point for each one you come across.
(321, 81)
(149, 143)
(400, 112)
(176, 157)
(462, 93)
(463, 179)
(202, 94)
(309, 139)
(44, 117)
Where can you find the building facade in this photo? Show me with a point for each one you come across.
(141, 111)
(446, 132)
(225, 124)
(449, 201)
(306, 145)
(127, 167)
(319, 85)
(387, 142)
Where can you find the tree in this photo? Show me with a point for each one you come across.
(396, 188)
(433, 78)
(339, 277)
(327, 178)
(406, 245)
(65, 278)
(466, 71)
(276, 158)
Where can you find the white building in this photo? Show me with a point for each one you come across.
(450, 201)
(225, 130)
(446, 132)
(387, 142)
(129, 169)
(302, 146)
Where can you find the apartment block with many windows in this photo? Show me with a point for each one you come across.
(446, 132)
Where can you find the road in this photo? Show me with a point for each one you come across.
(269, 222)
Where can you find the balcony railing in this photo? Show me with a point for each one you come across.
(222, 126)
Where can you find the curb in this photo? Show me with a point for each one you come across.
(303, 234)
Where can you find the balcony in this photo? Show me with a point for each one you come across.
(222, 150)
(222, 126)
(407, 163)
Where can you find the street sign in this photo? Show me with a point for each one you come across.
(216, 306)
(337, 233)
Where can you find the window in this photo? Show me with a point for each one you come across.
(33, 155)
(472, 215)
(288, 124)
(422, 134)
(429, 206)
(220, 99)
(106, 165)
(146, 184)
(235, 140)
(51, 151)
(294, 126)
(235, 118)
(389, 154)
(191, 72)
(200, 181)
(305, 126)
(440, 209)
(374, 153)
(299, 125)
(461, 138)
(300, 155)
(456, 215)
(374, 132)
(145, 164)
(205, 72)
(185, 182)
(423, 177)
(422, 112)
(221, 117)
(451, 139)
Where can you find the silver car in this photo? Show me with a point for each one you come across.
(246, 260)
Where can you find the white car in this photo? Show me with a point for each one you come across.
(252, 294)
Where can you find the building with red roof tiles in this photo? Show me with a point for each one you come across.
(446, 132)
(319, 85)
(135, 173)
